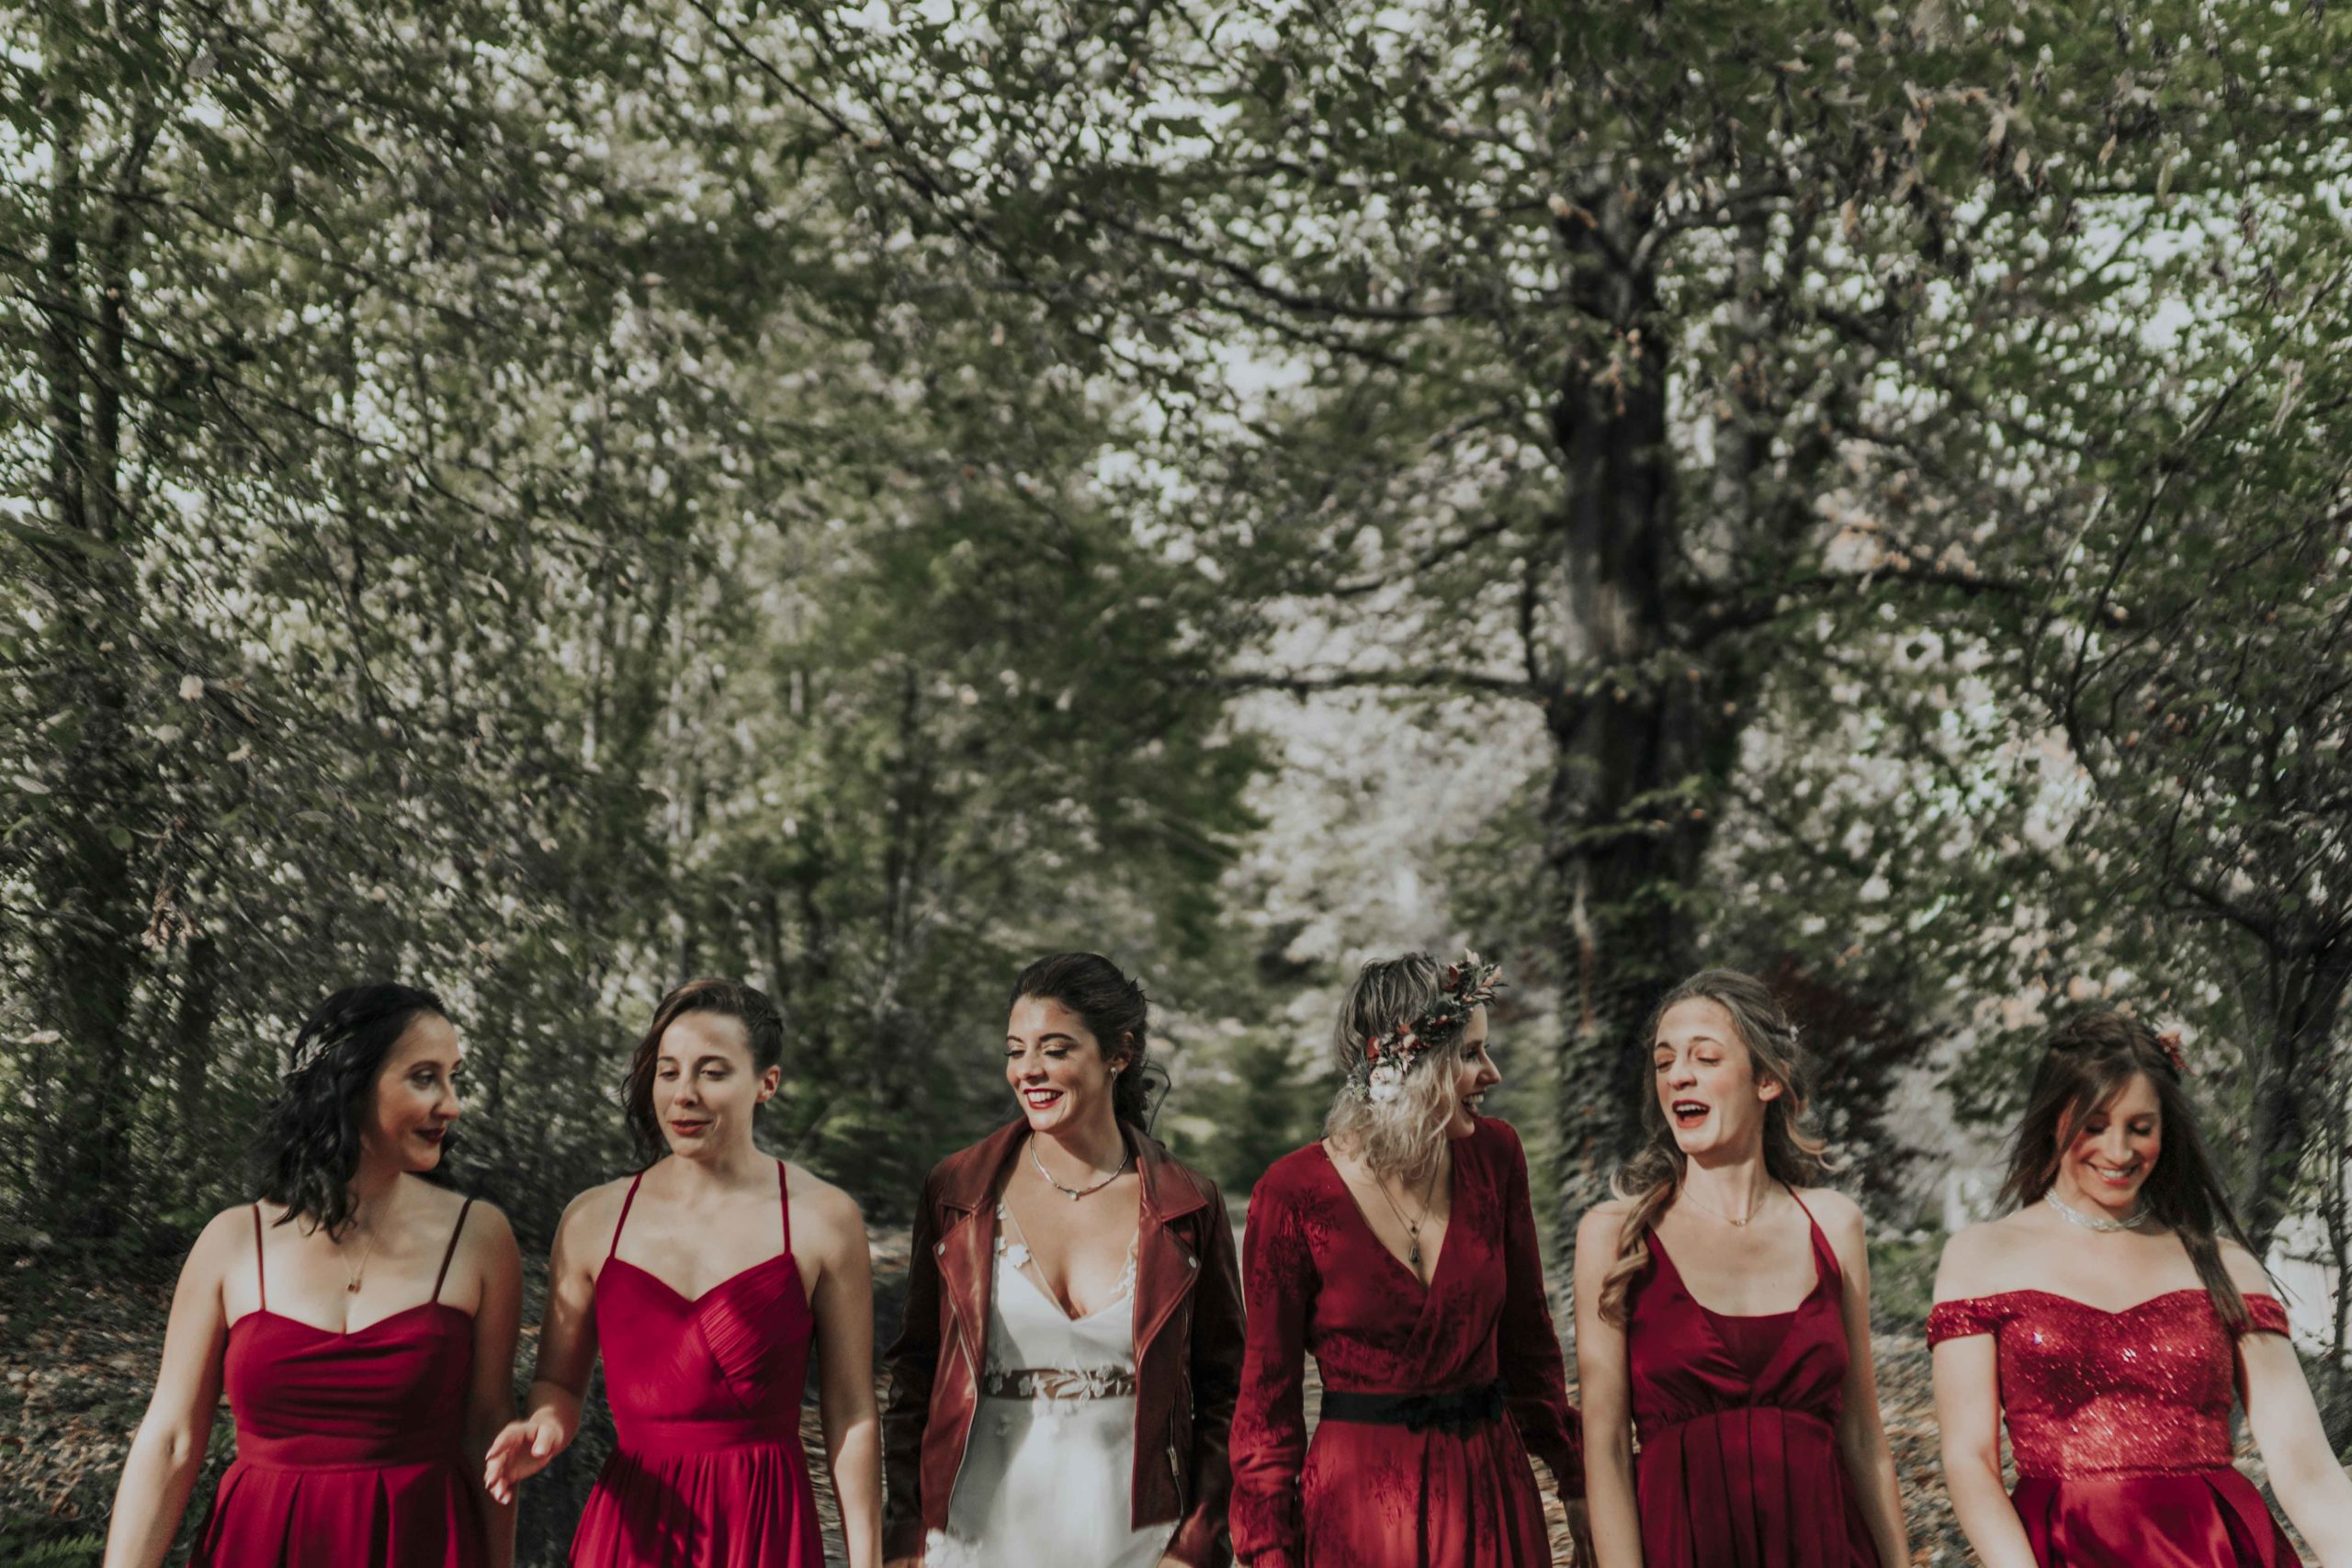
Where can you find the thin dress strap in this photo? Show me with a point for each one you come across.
(615, 1247)
(1826, 1254)
(784, 1190)
(261, 1275)
(438, 1280)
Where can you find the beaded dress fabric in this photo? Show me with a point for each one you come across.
(1738, 1423)
(2120, 1425)
(1048, 1471)
(1317, 1280)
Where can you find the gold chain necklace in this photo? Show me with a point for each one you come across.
(1706, 1208)
(1412, 1227)
(356, 1274)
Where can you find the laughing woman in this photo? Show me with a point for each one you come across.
(706, 1279)
(360, 1315)
(1062, 1388)
(2107, 1324)
(1401, 1251)
(1760, 1440)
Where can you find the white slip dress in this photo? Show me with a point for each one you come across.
(1049, 1473)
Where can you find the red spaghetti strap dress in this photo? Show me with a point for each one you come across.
(2120, 1424)
(705, 1394)
(1433, 1396)
(1737, 1418)
(347, 1450)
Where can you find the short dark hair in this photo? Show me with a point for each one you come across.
(763, 1028)
(310, 1150)
(1113, 1010)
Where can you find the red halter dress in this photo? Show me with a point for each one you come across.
(347, 1443)
(2120, 1424)
(1739, 1421)
(705, 1394)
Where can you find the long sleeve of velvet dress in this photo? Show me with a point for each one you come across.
(1366, 1495)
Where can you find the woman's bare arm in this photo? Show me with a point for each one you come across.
(167, 1452)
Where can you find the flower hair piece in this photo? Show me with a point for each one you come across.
(2169, 1042)
(1465, 986)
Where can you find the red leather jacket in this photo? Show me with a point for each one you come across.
(1188, 1349)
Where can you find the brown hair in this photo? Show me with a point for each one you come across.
(1794, 1155)
(2087, 1061)
(763, 1028)
(1113, 1010)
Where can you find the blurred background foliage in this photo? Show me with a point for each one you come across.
(545, 501)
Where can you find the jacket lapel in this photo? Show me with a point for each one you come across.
(1166, 1266)
(968, 1238)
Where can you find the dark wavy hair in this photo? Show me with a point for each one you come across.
(2086, 1061)
(763, 1027)
(310, 1151)
(1115, 1012)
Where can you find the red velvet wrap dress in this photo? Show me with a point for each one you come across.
(1366, 1495)
(2120, 1425)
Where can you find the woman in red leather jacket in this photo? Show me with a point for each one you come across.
(1063, 1387)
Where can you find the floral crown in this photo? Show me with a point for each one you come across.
(1465, 987)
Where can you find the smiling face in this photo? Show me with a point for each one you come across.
(705, 1085)
(415, 1099)
(1057, 1068)
(2109, 1159)
(1707, 1080)
(1474, 1075)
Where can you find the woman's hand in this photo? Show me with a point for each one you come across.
(1579, 1534)
(520, 1451)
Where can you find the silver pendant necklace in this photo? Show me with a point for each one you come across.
(1075, 1193)
(2091, 1223)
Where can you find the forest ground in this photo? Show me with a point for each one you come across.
(79, 1344)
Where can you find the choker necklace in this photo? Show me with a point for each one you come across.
(1075, 1193)
(2091, 1224)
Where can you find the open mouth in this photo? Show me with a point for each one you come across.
(1689, 1113)
(2117, 1176)
(1041, 1099)
(1475, 1103)
(433, 1134)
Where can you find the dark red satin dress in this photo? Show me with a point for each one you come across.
(2120, 1425)
(709, 1471)
(1385, 1496)
(1737, 1418)
(347, 1444)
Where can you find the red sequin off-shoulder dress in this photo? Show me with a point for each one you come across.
(2120, 1424)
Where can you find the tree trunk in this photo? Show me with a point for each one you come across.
(2311, 993)
(1618, 842)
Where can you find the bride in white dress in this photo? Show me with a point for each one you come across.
(1046, 1471)
(1062, 1385)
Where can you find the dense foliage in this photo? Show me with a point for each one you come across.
(545, 501)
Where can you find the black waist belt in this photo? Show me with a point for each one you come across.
(1460, 1412)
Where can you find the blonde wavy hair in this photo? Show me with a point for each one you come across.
(1404, 1135)
(1794, 1155)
